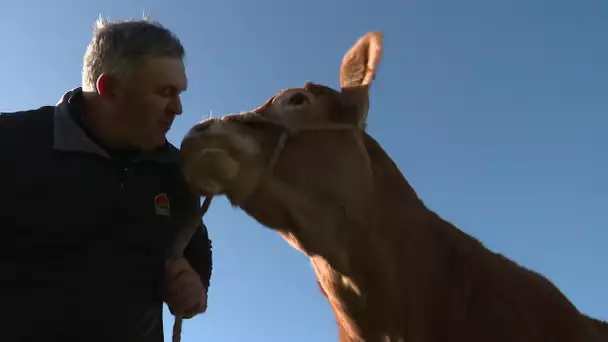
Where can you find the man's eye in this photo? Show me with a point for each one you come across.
(168, 92)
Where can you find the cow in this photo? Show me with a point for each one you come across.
(303, 165)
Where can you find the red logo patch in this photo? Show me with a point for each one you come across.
(161, 205)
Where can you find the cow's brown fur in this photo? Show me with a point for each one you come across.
(391, 269)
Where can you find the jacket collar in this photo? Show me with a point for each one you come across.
(68, 136)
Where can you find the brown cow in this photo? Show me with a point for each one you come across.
(391, 269)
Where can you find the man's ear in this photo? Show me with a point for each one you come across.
(358, 71)
(107, 85)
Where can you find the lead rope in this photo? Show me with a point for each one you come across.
(183, 238)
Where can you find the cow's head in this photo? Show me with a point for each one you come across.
(298, 163)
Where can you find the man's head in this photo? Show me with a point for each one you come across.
(135, 71)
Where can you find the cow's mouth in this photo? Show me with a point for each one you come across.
(210, 170)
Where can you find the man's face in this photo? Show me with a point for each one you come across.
(148, 101)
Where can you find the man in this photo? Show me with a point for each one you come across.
(92, 196)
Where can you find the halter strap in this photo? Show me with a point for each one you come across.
(288, 132)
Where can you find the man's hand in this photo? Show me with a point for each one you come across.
(183, 290)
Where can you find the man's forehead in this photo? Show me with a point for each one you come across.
(165, 71)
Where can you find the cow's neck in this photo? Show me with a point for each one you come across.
(383, 271)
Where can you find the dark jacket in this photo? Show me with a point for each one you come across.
(84, 231)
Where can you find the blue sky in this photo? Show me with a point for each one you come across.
(495, 111)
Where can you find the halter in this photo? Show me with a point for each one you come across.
(288, 131)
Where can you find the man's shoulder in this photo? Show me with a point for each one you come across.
(30, 125)
(29, 112)
(25, 134)
(26, 118)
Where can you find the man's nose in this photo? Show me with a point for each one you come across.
(176, 105)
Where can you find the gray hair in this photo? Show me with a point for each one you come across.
(117, 46)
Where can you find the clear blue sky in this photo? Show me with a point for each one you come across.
(495, 111)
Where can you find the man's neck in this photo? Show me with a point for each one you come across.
(94, 121)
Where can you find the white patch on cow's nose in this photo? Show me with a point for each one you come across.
(246, 145)
(236, 138)
(219, 164)
(228, 135)
(216, 128)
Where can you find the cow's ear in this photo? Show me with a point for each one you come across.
(358, 71)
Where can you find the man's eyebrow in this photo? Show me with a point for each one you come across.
(173, 88)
